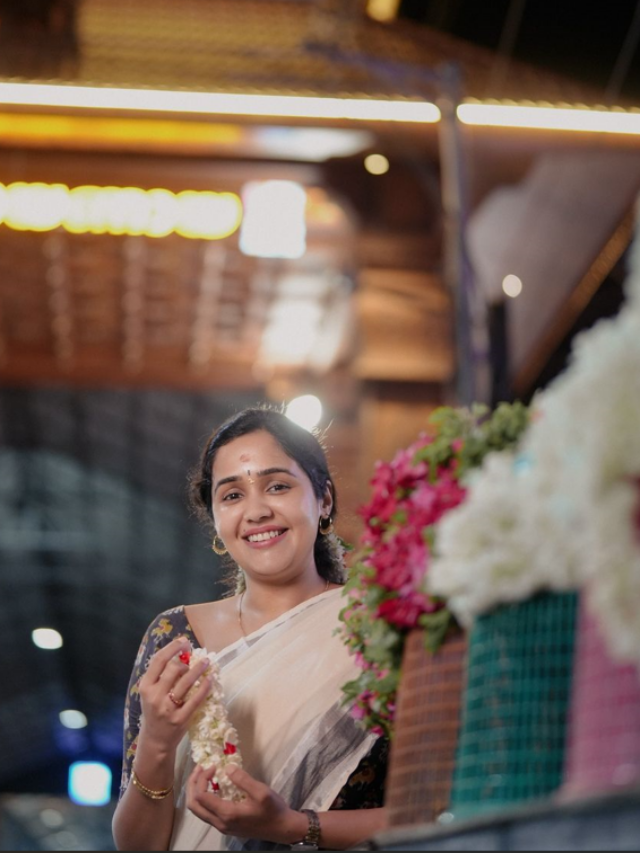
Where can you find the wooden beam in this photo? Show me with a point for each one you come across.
(96, 372)
(574, 305)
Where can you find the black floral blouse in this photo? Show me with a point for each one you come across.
(364, 789)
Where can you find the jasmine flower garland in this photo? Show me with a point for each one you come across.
(214, 740)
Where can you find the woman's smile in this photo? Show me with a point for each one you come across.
(265, 537)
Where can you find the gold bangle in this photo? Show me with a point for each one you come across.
(147, 792)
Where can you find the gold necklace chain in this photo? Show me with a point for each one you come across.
(240, 608)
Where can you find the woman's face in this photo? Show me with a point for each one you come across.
(264, 508)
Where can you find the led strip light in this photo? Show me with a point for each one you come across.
(472, 112)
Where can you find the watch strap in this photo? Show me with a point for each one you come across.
(311, 840)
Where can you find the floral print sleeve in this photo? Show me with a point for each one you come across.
(364, 789)
(164, 628)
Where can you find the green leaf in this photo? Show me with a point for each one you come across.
(399, 517)
(435, 627)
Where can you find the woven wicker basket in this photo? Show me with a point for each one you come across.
(426, 734)
(511, 745)
(603, 750)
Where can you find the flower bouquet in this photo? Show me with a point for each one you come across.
(385, 590)
(405, 639)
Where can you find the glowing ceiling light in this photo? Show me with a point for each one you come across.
(72, 719)
(207, 215)
(512, 286)
(119, 210)
(383, 10)
(89, 783)
(489, 113)
(306, 411)
(274, 223)
(52, 818)
(47, 638)
(376, 164)
(291, 332)
(548, 117)
(217, 103)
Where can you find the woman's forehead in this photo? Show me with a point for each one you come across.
(256, 450)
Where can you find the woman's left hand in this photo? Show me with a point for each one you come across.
(263, 814)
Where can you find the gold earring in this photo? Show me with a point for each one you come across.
(220, 550)
(326, 525)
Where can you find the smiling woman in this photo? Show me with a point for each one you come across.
(309, 772)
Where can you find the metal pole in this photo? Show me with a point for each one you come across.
(471, 381)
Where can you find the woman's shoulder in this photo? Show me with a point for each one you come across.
(169, 623)
(166, 626)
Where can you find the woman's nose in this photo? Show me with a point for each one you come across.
(257, 506)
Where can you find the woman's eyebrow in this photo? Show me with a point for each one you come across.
(235, 478)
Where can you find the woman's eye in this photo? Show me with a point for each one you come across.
(231, 496)
(279, 487)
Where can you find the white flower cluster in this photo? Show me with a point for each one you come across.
(214, 741)
(564, 513)
(503, 543)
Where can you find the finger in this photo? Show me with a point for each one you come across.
(200, 780)
(160, 659)
(197, 782)
(187, 679)
(199, 796)
(199, 804)
(242, 780)
(207, 816)
(208, 772)
(196, 699)
(182, 707)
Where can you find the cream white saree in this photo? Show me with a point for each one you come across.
(282, 688)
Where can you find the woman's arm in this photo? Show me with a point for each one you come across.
(140, 823)
(266, 816)
(154, 726)
(341, 830)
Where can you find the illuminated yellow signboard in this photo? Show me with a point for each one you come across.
(119, 210)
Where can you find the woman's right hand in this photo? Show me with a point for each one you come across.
(166, 709)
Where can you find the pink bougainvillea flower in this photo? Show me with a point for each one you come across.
(409, 496)
(403, 612)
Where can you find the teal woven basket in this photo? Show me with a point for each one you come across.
(511, 746)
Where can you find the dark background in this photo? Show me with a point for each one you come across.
(579, 40)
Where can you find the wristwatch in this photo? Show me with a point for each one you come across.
(311, 841)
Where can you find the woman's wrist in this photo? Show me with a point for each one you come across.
(154, 763)
(160, 749)
(295, 828)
